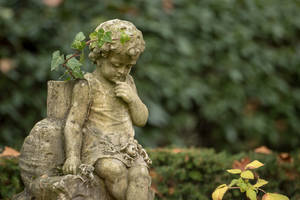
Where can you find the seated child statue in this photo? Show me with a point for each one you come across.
(105, 106)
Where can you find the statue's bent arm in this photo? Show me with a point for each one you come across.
(138, 110)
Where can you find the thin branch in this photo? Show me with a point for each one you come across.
(234, 188)
(65, 64)
(262, 190)
(239, 188)
(69, 70)
(74, 55)
(90, 41)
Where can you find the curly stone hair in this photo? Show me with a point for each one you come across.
(134, 47)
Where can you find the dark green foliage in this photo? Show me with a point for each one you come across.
(218, 73)
(193, 174)
(10, 179)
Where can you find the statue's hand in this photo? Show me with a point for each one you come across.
(71, 165)
(125, 92)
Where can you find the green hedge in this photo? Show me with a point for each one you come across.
(193, 174)
(218, 73)
(10, 179)
(182, 174)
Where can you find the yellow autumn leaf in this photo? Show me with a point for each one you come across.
(251, 194)
(253, 165)
(221, 186)
(260, 182)
(247, 174)
(274, 196)
(234, 171)
(219, 192)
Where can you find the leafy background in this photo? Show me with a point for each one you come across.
(215, 73)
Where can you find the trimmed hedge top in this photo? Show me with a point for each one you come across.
(181, 174)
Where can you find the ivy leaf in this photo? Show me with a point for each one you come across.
(79, 45)
(100, 33)
(234, 171)
(80, 36)
(93, 35)
(107, 37)
(124, 37)
(253, 165)
(57, 60)
(274, 196)
(100, 43)
(260, 182)
(79, 42)
(73, 63)
(247, 174)
(219, 192)
(251, 194)
(77, 73)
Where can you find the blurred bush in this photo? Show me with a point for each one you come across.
(182, 174)
(10, 178)
(195, 173)
(215, 73)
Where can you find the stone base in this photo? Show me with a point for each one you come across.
(68, 187)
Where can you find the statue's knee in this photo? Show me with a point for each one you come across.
(110, 168)
(139, 175)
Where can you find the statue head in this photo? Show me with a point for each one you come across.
(133, 47)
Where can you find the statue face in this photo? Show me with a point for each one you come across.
(116, 67)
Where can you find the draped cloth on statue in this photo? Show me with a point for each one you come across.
(108, 132)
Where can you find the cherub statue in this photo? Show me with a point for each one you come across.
(85, 148)
(105, 106)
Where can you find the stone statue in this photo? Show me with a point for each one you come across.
(85, 148)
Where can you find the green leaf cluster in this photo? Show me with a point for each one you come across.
(245, 186)
(100, 37)
(172, 169)
(73, 65)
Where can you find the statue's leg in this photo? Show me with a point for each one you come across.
(114, 173)
(139, 183)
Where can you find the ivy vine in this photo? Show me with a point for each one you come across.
(72, 65)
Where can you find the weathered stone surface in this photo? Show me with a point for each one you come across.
(85, 148)
(59, 98)
(66, 187)
(43, 154)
